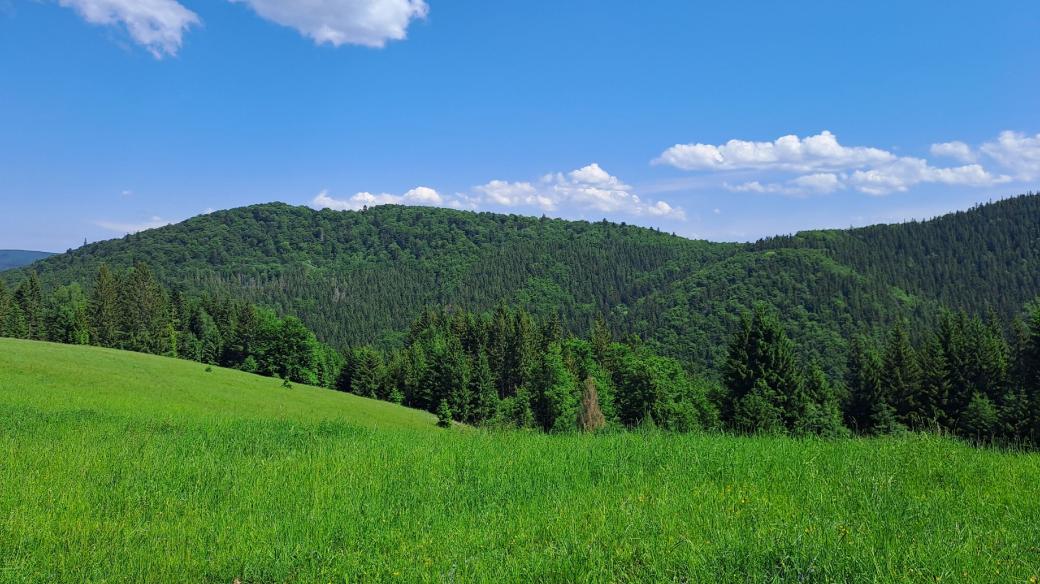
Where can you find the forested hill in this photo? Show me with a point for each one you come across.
(988, 256)
(16, 258)
(363, 276)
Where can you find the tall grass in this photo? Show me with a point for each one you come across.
(98, 491)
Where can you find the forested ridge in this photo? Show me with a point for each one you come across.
(16, 258)
(361, 277)
(974, 377)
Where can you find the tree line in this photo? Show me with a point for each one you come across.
(130, 310)
(969, 376)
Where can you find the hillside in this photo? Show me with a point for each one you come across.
(121, 467)
(360, 277)
(16, 258)
(89, 381)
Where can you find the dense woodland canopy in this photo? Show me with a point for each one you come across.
(974, 377)
(360, 277)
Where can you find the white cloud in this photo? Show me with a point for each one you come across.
(589, 188)
(825, 166)
(956, 150)
(509, 194)
(418, 196)
(156, 25)
(819, 152)
(1017, 152)
(821, 182)
(119, 227)
(906, 172)
(337, 22)
(818, 183)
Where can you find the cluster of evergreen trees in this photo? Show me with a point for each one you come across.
(506, 368)
(131, 311)
(975, 378)
(967, 376)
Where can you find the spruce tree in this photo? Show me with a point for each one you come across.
(444, 414)
(901, 376)
(5, 310)
(762, 364)
(483, 390)
(368, 373)
(935, 385)
(29, 298)
(821, 413)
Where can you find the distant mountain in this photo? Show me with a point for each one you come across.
(16, 258)
(361, 277)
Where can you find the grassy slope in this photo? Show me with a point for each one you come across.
(213, 476)
(53, 377)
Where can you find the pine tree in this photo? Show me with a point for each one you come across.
(5, 310)
(444, 414)
(901, 376)
(144, 313)
(555, 391)
(368, 374)
(762, 363)
(980, 418)
(870, 408)
(600, 337)
(482, 384)
(29, 298)
(935, 386)
(821, 413)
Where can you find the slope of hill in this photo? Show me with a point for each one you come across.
(51, 377)
(361, 277)
(16, 258)
(120, 467)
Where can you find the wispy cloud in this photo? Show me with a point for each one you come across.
(160, 25)
(121, 227)
(156, 25)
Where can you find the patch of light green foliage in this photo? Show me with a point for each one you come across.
(118, 467)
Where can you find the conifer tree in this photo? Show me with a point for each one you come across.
(5, 310)
(483, 390)
(555, 391)
(29, 298)
(901, 376)
(821, 413)
(368, 373)
(66, 316)
(144, 313)
(444, 414)
(935, 386)
(762, 363)
(600, 337)
(871, 408)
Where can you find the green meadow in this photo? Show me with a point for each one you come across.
(122, 467)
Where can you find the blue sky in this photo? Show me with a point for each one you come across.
(725, 121)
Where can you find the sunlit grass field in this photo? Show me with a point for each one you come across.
(118, 467)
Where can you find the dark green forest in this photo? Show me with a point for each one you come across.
(973, 377)
(361, 277)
